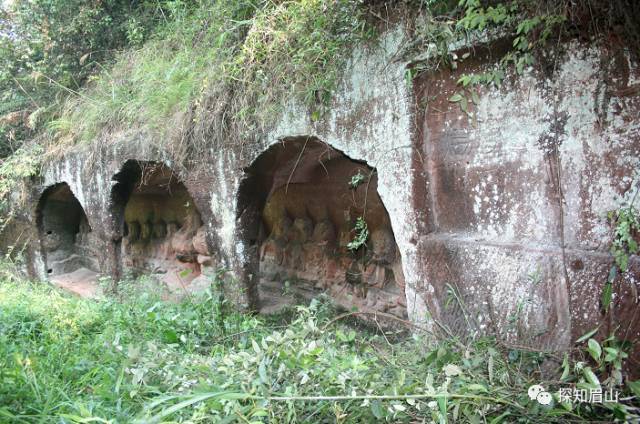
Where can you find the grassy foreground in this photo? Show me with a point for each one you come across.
(138, 359)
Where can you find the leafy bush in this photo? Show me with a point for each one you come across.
(49, 48)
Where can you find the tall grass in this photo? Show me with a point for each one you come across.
(242, 60)
(138, 359)
(63, 359)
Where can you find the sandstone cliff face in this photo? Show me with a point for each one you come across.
(493, 223)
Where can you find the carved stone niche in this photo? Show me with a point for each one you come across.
(65, 235)
(306, 212)
(163, 233)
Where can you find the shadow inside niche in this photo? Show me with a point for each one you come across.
(68, 245)
(298, 208)
(162, 231)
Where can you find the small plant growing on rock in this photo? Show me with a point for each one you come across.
(361, 235)
(356, 180)
(626, 223)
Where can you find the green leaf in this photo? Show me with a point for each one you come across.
(607, 293)
(456, 98)
(594, 349)
(464, 81)
(587, 335)
(565, 367)
(260, 413)
(190, 401)
(81, 420)
(5, 413)
(611, 354)
(591, 377)
(464, 105)
(376, 409)
(262, 371)
(475, 98)
(361, 235)
(442, 404)
(255, 346)
(500, 418)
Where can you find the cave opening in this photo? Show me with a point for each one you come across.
(68, 245)
(299, 206)
(160, 231)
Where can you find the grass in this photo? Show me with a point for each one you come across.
(138, 359)
(218, 72)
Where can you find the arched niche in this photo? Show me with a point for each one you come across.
(158, 227)
(298, 206)
(65, 234)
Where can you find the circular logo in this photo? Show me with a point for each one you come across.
(537, 392)
(534, 391)
(544, 398)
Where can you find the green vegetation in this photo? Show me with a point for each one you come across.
(68, 360)
(361, 235)
(48, 50)
(197, 74)
(626, 230)
(192, 73)
(533, 28)
(223, 70)
(627, 225)
(14, 172)
(220, 71)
